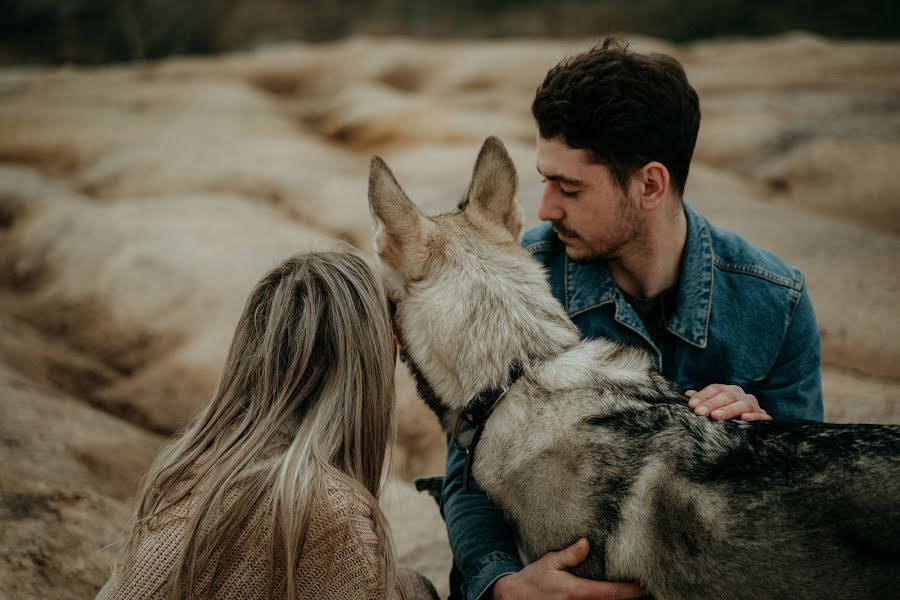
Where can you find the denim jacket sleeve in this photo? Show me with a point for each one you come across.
(483, 544)
(793, 387)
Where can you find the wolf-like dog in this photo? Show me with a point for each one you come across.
(589, 440)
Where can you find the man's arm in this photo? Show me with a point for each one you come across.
(791, 390)
(483, 545)
(793, 387)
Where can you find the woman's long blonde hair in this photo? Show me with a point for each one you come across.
(312, 355)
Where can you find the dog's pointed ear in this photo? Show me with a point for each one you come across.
(400, 230)
(492, 191)
(395, 215)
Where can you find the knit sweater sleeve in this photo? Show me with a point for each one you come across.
(342, 557)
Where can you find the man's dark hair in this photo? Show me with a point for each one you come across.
(625, 109)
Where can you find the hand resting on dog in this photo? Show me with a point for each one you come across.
(549, 578)
(723, 402)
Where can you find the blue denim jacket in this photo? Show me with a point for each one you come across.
(742, 317)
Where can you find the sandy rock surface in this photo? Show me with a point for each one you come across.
(138, 205)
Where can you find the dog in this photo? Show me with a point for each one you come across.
(585, 439)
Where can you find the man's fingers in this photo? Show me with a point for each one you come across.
(725, 402)
(704, 394)
(605, 590)
(732, 411)
(568, 558)
(718, 401)
(574, 555)
(711, 391)
(756, 416)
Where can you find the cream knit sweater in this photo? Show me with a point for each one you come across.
(340, 559)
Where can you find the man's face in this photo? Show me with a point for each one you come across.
(592, 216)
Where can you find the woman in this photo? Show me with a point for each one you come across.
(271, 490)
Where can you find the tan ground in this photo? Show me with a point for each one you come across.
(139, 204)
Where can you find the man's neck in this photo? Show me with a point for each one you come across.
(650, 265)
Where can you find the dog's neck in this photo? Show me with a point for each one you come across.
(480, 407)
(458, 350)
(476, 410)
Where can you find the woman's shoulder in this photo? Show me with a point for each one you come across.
(343, 522)
(339, 500)
(343, 552)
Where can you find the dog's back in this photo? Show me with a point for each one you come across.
(595, 443)
(799, 510)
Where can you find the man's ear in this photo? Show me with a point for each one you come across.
(398, 221)
(653, 184)
(492, 191)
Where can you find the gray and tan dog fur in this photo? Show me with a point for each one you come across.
(591, 441)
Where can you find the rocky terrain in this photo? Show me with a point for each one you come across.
(138, 205)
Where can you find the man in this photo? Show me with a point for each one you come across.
(630, 261)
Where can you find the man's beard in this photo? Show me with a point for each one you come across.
(628, 232)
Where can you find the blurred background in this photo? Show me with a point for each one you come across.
(157, 157)
(98, 31)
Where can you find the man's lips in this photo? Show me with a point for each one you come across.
(562, 232)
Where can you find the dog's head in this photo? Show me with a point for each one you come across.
(411, 245)
(465, 291)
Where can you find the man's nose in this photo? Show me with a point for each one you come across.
(549, 208)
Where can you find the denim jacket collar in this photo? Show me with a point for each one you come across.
(590, 285)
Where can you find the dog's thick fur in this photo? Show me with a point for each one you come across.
(591, 441)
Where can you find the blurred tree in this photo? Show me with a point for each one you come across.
(99, 30)
(93, 31)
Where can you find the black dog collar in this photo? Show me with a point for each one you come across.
(477, 412)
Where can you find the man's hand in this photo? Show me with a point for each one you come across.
(723, 402)
(548, 578)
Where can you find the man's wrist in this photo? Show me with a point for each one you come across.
(481, 583)
(500, 589)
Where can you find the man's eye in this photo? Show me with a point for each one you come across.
(564, 192)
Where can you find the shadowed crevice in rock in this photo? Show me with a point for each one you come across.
(28, 506)
(50, 362)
